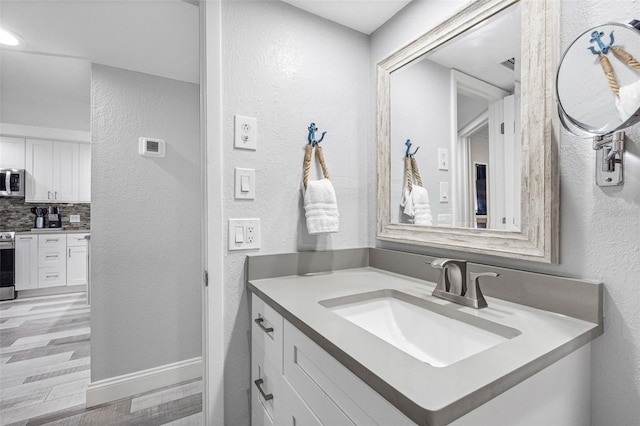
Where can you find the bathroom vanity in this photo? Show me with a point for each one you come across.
(324, 350)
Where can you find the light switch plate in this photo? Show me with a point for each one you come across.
(443, 159)
(244, 234)
(444, 192)
(444, 219)
(245, 184)
(245, 133)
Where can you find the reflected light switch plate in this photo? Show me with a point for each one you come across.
(444, 192)
(443, 159)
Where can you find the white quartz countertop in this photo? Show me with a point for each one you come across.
(54, 231)
(426, 394)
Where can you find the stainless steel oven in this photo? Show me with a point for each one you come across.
(7, 266)
(12, 183)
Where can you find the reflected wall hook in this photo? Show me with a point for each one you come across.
(596, 37)
(407, 153)
(312, 135)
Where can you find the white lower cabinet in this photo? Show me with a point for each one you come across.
(52, 265)
(296, 382)
(51, 260)
(76, 259)
(26, 262)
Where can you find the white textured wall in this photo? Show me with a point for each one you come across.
(288, 68)
(145, 224)
(600, 227)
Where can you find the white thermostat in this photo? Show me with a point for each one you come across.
(151, 147)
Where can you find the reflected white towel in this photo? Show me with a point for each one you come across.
(421, 207)
(321, 207)
(628, 100)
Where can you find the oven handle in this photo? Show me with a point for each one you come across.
(6, 245)
(7, 182)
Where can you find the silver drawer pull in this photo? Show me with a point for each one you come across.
(259, 321)
(259, 383)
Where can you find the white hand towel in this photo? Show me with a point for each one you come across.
(628, 100)
(421, 206)
(321, 207)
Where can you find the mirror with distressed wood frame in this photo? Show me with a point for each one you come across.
(536, 238)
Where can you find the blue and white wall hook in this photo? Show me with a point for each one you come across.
(407, 153)
(596, 37)
(312, 135)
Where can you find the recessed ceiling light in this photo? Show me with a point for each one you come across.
(8, 39)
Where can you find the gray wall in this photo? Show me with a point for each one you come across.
(146, 256)
(600, 227)
(288, 68)
(415, 116)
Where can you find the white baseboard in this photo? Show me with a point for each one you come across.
(114, 388)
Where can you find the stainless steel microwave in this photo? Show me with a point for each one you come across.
(12, 183)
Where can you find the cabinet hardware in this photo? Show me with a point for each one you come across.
(48, 195)
(259, 383)
(259, 321)
(55, 196)
(69, 253)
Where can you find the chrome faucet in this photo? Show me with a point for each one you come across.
(454, 287)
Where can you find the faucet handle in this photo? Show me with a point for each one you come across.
(473, 290)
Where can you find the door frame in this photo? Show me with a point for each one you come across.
(213, 342)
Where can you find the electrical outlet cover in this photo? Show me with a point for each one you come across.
(245, 133)
(244, 234)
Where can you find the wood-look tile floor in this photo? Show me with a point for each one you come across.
(45, 371)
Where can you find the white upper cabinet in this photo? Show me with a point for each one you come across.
(65, 171)
(52, 171)
(84, 173)
(12, 152)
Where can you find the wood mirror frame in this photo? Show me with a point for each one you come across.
(537, 239)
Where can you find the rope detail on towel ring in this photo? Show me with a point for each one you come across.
(416, 173)
(608, 71)
(626, 57)
(307, 163)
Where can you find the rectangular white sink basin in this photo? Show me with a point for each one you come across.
(435, 334)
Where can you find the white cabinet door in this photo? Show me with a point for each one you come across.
(65, 172)
(39, 168)
(26, 262)
(84, 173)
(12, 153)
(77, 265)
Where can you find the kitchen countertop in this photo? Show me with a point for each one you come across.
(54, 231)
(424, 393)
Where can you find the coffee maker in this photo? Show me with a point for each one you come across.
(54, 217)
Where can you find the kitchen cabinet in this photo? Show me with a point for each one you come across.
(52, 265)
(84, 173)
(26, 262)
(76, 259)
(12, 153)
(52, 171)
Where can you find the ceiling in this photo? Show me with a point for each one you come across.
(361, 15)
(154, 37)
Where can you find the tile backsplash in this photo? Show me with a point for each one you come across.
(15, 214)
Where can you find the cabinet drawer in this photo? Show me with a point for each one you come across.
(266, 329)
(53, 241)
(296, 412)
(333, 392)
(76, 240)
(266, 379)
(48, 257)
(51, 277)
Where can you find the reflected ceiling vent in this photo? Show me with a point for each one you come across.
(509, 63)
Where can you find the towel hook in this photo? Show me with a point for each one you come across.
(408, 144)
(596, 37)
(312, 135)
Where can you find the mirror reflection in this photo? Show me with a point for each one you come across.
(598, 80)
(459, 105)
